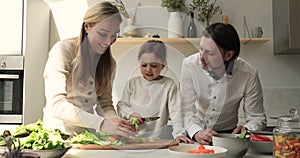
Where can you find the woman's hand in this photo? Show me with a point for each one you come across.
(184, 139)
(116, 125)
(138, 116)
(205, 136)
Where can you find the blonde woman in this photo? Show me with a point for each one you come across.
(78, 77)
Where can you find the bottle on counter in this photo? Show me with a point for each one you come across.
(286, 136)
(192, 29)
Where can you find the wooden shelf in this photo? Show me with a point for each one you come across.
(257, 40)
(185, 46)
(166, 40)
(184, 40)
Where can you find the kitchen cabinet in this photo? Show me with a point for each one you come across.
(11, 16)
(286, 26)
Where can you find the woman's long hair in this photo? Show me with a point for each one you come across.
(105, 67)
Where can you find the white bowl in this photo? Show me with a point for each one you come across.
(262, 147)
(55, 153)
(181, 151)
(237, 147)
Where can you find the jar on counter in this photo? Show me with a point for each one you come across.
(286, 136)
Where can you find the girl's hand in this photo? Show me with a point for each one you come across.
(138, 116)
(184, 139)
(116, 125)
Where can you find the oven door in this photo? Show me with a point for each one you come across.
(11, 96)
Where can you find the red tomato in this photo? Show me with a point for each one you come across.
(201, 147)
(201, 150)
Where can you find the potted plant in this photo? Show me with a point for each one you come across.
(205, 10)
(130, 30)
(175, 26)
(174, 5)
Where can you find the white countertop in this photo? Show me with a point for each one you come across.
(155, 153)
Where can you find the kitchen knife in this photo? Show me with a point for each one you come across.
(148, 119)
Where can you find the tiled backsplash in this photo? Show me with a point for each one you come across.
(277, 102)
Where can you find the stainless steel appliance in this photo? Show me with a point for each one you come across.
(11, 89)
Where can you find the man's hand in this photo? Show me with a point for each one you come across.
(184, 139)
(205, 136)
(239, 129)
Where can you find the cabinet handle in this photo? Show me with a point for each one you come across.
(3, 76)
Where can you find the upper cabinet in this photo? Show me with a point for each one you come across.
(286, 26)
(11, 17)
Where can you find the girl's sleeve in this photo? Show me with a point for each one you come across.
(174, 105)
(124, 107)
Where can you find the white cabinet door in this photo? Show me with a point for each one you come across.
(11, 17)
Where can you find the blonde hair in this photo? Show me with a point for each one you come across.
(104, 70)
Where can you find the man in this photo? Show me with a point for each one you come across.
(215, 82)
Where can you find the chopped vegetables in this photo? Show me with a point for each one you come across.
(134, 121)
(39, 138)
(243, 134)
(287, 145)
(99, 138)
(201, 150)
(35, 137)
(43, 140)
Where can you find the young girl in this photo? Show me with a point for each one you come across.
(152, 95)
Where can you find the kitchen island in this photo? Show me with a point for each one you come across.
(152, 153)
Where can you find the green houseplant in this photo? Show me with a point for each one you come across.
(174, 5)
(205, 9)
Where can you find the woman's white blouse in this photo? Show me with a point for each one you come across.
(68, 109)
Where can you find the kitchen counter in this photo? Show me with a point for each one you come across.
(155, 153)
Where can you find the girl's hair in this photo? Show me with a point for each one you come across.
(154, 46)
(225, 37)
(105, 67)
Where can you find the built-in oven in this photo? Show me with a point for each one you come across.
(11, 89)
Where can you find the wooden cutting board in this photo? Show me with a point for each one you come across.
(155, 144)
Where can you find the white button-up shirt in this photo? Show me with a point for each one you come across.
(210, 103)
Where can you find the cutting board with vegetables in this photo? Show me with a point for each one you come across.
(152, 144)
